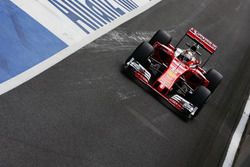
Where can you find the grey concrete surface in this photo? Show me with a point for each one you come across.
(243, 157)
(84, 112)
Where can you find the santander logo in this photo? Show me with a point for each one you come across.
(203, 39)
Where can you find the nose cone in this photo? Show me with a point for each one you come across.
(169, 77)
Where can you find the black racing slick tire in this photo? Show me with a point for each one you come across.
(199, 97)
(162, 37)
(142, 53)
(214, 78)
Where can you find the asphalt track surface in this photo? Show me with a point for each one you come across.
(85, 112)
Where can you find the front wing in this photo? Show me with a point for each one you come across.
(177, 102)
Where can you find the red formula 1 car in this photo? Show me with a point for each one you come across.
(175, 73)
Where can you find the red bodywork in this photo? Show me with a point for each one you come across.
(176, 69)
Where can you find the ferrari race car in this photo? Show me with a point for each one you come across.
(176, 73)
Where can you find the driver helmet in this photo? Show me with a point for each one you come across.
(185, 56)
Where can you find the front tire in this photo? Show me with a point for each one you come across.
(142, 53)
(199, 97)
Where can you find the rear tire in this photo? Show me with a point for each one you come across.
(214, 78)
(142, 53)
(162, 37)
(199, 97)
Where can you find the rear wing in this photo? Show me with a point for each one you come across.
(203, 41)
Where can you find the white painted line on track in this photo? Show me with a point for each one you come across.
(39, 68)
(236, 139)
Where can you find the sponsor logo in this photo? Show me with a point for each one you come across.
(171, 74)
(91, 15)
(203, 39)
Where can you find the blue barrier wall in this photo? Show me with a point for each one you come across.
(23, 41)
